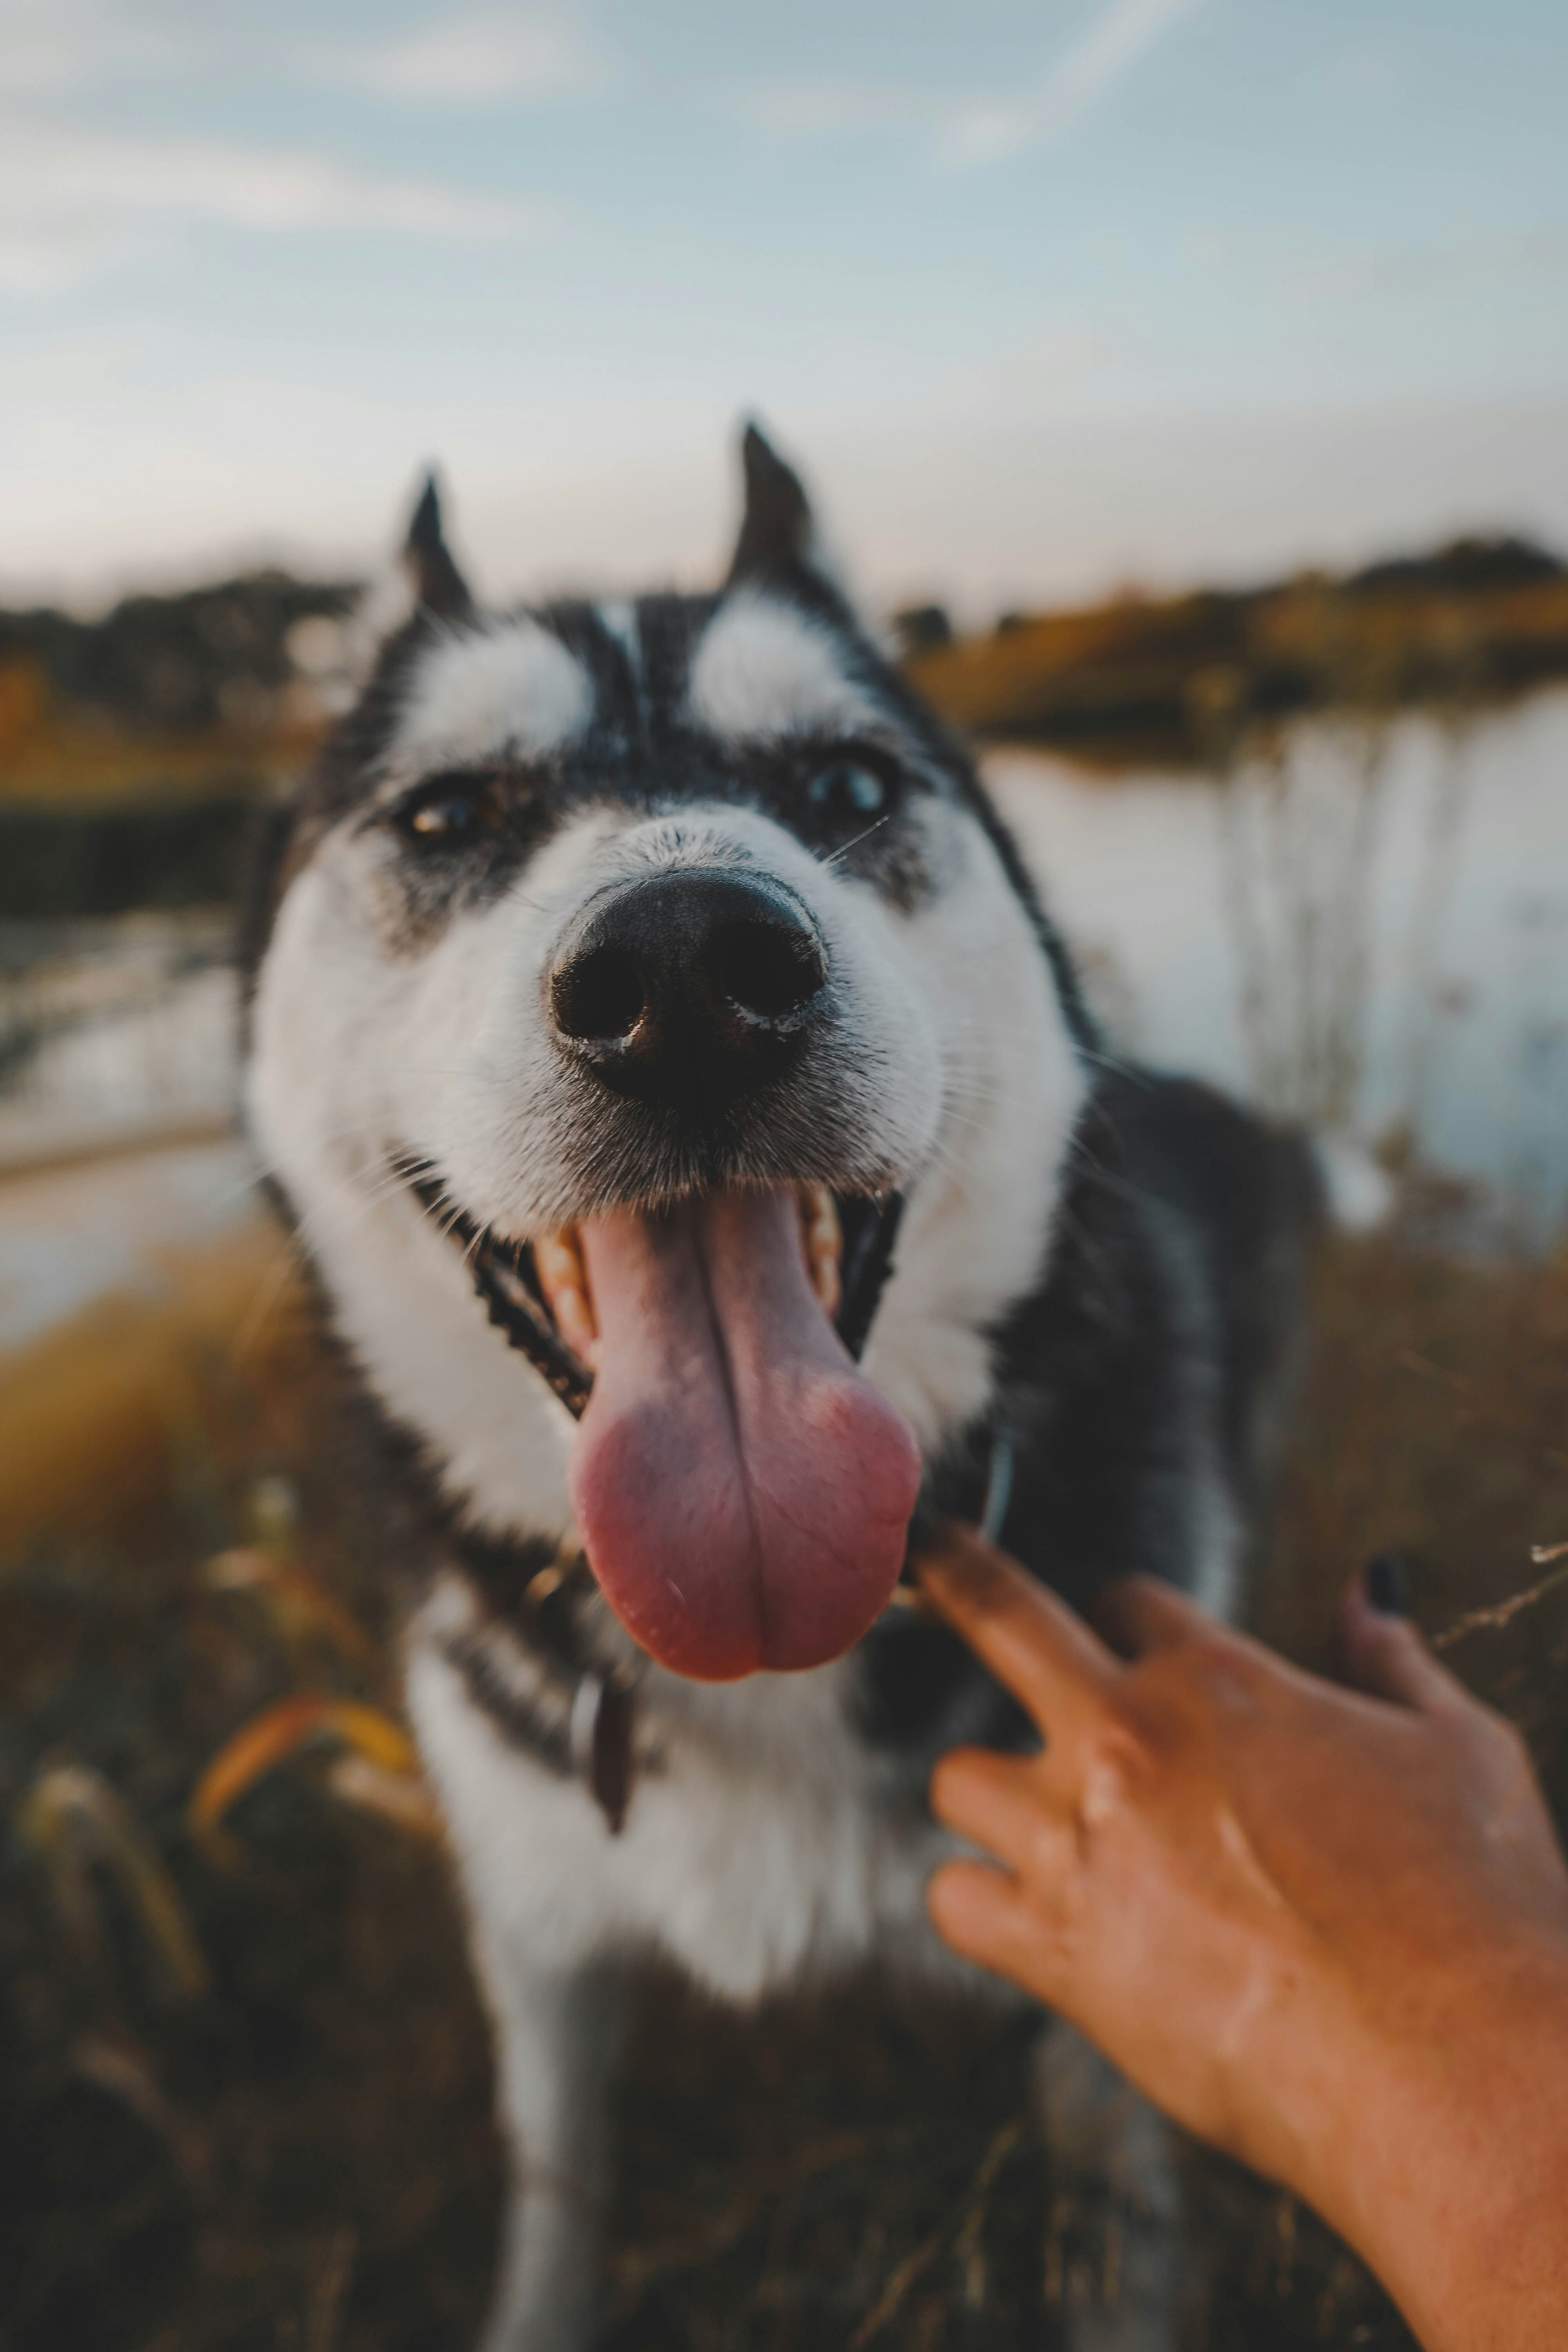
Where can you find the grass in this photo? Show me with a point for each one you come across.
(291, 2145)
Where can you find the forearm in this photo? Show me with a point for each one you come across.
(1450, 2175)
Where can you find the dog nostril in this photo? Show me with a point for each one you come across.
(598, 995)
(764, 970)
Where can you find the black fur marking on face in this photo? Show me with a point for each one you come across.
(459, 838)
(847, 799)
(639, 754)
(460, 825)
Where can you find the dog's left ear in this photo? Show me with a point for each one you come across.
(779, 540)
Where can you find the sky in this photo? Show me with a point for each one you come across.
(1044, 298)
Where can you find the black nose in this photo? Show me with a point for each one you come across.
(691, 989)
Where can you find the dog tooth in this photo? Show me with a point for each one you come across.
(574, 1321)
(556, 1257)
(558, 1260)
(822, 1242)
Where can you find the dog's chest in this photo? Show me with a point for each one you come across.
(765, 1843)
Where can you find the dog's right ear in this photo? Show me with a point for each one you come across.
(780, 543)
(776, 527)
(423, 578)
(436, 583)
(780, 539)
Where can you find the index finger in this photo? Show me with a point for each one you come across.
(1047, 1656)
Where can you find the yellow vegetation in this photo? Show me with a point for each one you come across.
(1132, 671)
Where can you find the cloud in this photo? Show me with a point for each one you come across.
(1118, 39)
(825, 109)
(53, 44)
(472, 60)
(1443, 267)
(985, 127)
(74, 199)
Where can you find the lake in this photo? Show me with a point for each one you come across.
(1369, 934)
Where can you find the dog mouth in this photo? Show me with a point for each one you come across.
(560, 1272)
(742, 1491)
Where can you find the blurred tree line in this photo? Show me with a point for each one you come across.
(1139, 679)
(214, 656)
(134, 748)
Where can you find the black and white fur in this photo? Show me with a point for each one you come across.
(1095, 1263)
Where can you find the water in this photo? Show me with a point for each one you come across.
(69, 1234)
(116, 1086)
(1373, 936)
(113, 1032)
(1370, 932)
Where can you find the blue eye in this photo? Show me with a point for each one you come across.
(845, 791)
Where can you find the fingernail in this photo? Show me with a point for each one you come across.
(1388, 1584)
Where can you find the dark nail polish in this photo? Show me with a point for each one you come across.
(1388, 1584)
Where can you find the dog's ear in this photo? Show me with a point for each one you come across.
(436, 583)
(780, 539)
(422, 578)
(776, 527)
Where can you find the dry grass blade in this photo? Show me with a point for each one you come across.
(329, 2290)
(73, 1820)
(121, 2070)
(280, 1732)
(1503, 1612)
(393, 1797)
(964, 2224)
(699, 2248)
(297, 1602)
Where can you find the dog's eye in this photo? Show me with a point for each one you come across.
(847, 793)
(449, 812)
(446, 819)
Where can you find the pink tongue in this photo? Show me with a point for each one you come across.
(742, 1492)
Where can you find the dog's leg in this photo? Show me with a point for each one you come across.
(544, 1935)
(557, 2039)
(1114, 2248)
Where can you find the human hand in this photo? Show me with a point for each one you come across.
(1325, 1928)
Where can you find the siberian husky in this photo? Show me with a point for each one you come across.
(708, 1163)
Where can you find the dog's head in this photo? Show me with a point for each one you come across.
(647, 955)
